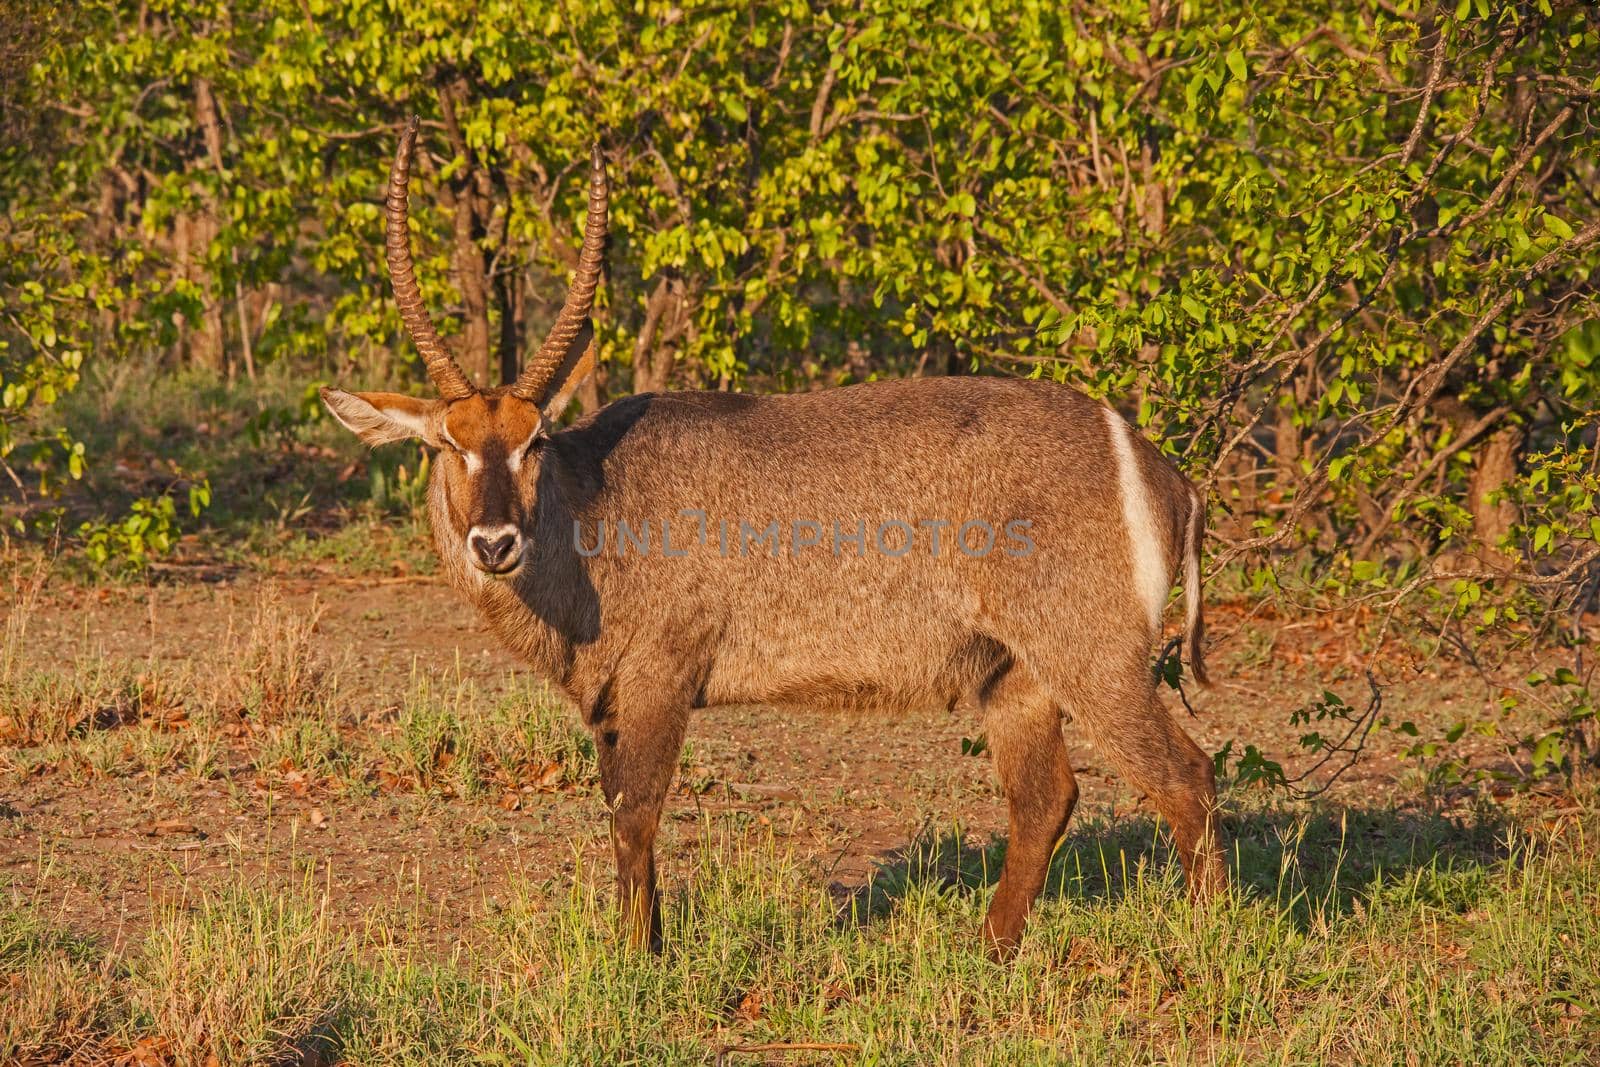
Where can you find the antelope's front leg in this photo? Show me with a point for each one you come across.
(638, 745)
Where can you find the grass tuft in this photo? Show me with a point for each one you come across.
(450, 739)
(1475, 960)
(246, 976)
(277, 669)
(58, 995)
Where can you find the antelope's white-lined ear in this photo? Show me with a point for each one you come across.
(378, 418)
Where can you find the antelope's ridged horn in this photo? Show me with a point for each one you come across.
(442, 369)
(540, 371)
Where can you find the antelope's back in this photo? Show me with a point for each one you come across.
(886, 542)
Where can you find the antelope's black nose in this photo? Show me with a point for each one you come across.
(495, 551)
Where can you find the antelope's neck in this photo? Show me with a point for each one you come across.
(525, 611)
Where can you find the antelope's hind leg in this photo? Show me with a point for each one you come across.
(638, 745)
(1030, 756)
(1148, 748)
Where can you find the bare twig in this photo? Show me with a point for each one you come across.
(1466, 438)
(1359, 731)
(1413, 400)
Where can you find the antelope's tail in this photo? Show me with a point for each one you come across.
(1194, 620)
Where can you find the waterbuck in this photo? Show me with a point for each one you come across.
(893, 546)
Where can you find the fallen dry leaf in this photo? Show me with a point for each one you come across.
(749, 1006)
(146, 1052)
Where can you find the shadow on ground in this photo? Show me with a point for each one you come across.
(1317, 862)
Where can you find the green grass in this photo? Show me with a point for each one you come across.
(288, 485)
(451, 739)
(1436, 944)
(279, 708)
(1352, 935)
(48, 701)
(41, 706)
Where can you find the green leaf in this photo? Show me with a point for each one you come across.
(1236, 66)
(1558, 226)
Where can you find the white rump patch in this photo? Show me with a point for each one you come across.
(1151, 576)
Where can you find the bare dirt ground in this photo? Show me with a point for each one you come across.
(846, 794)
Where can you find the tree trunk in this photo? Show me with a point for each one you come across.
(200, 336)
(1152, 201)
(210, 347)
(655, 351)
(208, 116)
(466, 197)
(1289, 445)
(946, 355)
(508, 294)
(1498, 457)
(1152, 204)
(590, 396)
(209, 336)
(467, 259)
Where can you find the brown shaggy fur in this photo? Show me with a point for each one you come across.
(638, 640)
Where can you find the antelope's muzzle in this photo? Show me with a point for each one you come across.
(495, 549)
